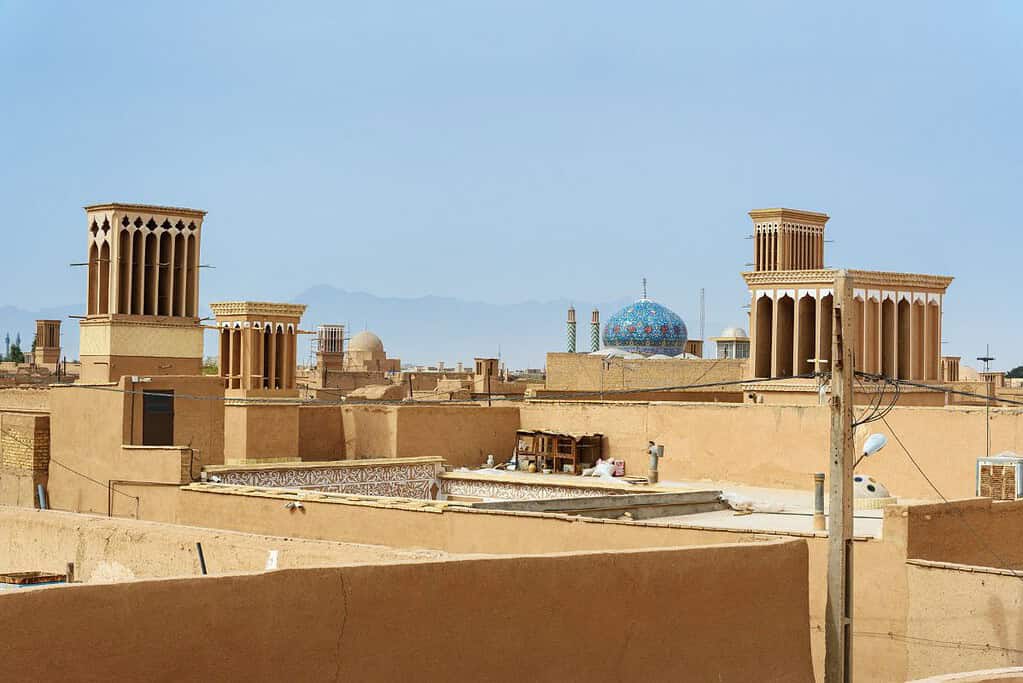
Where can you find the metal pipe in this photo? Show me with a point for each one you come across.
(202, 558)
(656, 453)
(819, 523)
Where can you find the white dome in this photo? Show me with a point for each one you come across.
(865, 486)
(609, 352)
(734, 332)
(366, 341)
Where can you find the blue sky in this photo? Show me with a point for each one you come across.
(510, 151)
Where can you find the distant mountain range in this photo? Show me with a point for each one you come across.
(420, 330)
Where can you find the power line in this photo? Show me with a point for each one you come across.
(951, 644)
(346, 401)
(9, 433)
(95, 481)
(1002, 563)
(874, 412)
(940, 389)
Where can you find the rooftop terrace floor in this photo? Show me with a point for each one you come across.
(776, 510)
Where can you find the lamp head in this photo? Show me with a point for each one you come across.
(874, 443)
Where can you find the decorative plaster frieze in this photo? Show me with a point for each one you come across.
(863, 278)
(260, 308)
(399, 480)
(517, 490)
(146, 208)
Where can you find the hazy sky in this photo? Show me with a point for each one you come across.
(507, 151)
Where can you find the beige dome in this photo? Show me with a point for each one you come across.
(733, 333)
(968, 374)
(366, 341)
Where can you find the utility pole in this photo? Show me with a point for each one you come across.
(703, 312)
(986, 360)
(838, 615)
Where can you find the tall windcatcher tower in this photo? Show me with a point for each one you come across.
(47, 348)
(143, 292)
(571, 329)
(258, 347)
(330, 349)
(788, 239)
(595, 330)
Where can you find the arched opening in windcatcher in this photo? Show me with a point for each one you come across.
(785, 310)
(123, 271)
(104, 278)
(806, 346)
(93, 305)
(765, 324)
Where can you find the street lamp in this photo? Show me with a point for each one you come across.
(873, 444)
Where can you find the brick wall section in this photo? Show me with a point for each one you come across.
(187, 462)
(583, 372)
(25, 399)
(25, 442)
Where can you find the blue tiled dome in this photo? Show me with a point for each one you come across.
(646, 327)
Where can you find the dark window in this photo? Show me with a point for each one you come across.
(158, 418)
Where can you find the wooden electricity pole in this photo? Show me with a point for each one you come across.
(838, 616)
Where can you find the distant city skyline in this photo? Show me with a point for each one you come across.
(530, 152)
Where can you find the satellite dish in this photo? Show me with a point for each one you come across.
(874, 443)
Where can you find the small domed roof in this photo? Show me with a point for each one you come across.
(609, 352)
(733, 333)
(366, 341)
(865, 486)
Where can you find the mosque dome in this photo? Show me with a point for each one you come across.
(366, 341)
(646, 327)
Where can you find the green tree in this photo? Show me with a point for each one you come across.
(1016, 372)
(16, 355)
